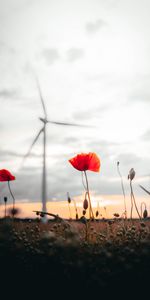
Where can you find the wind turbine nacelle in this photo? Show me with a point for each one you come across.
(43, 120)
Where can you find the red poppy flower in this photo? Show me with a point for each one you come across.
(86, 161)
(5, 175)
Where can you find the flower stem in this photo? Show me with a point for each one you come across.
(69, 211)
(136, 205)
(83, 181)
(143, 203)
(12, 197)
(122, 186)
(75, 206)
(133, 200)
(5, 210)
(91, 214)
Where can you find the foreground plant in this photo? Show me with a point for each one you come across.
(69, 201)
(76, 210)
(131, 175)
(97, 211)
(5, 175)
(144, 213)
(123, 191)
(5, 202)
(105, 209)
(86, 162)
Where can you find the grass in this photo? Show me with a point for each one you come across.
(116, 253)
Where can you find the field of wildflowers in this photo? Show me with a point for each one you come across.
(88, 254)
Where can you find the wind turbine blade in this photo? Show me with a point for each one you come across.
(144, 189)
(41, 97)
(33, 143)
(68, 124)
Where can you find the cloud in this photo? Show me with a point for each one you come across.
(8, 155)
(128, 159)
(6, 49)
(8, 93)
(89, 114)
(93, 27)
(51, 55)
(73, 54)
(146, 136)
(141, 96)
(140, 89)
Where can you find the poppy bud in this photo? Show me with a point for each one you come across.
(14, 211)
(85, 204)
(84, 212)
(97, 213)
(131, 174)
(42, 215)
(69, 199)
(145, 214)
(116, 215)
(5, 199)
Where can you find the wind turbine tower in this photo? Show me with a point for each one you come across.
(45, 121)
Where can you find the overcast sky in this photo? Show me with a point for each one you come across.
(92, 58)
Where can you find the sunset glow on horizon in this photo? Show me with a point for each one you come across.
(113, 204)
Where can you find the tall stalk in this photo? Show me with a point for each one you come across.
(133, 199)
(123, 191)
(75, 207)
(145, 210)
(5, 201)
(91, 214)
(69, 201)
(12, 197)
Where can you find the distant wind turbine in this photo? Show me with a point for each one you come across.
(45, 121)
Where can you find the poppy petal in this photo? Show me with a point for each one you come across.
(5, 175)
(94, 162)
(86, 161)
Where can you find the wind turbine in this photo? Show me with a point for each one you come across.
(45, 121)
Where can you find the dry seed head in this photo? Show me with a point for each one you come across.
(77, 217)
(42, 215)
(97, 213)
(145, 214)
(116, 215)
(131, 174)
(5, 199)
(68, 198)
(85, 204)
